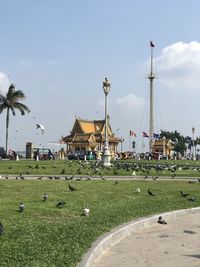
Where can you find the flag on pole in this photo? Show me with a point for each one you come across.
(132, 133)
(152, 44)
(156, 136)
(145, 134)
(188, 138)
(190, 145)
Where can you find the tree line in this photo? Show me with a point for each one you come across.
(181, 143)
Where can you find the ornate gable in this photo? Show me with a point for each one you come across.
(98, 126)
(92, 139)
(110, 133)
(76, 128)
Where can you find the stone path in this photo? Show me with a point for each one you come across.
(176, 244)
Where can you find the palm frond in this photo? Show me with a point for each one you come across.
(18, 95)
(2, 106)
(13, 110)
(21, 107)
(10, 92)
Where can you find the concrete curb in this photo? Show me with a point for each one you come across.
(111, 238)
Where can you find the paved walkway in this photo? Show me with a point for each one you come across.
(176, 244)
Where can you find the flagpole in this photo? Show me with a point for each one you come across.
(151, 77)
(129, 142)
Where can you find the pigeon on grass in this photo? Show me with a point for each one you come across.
(71, 188)
(150, 193)
(1, 229)
(45, 197)
(183, 194)
(21, 207)
(86, 211)
(60, 204)
(137, 190)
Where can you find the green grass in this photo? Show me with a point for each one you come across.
(47, 236)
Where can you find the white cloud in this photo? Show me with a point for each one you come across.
(130, 102)
(4, 83)
(178, 66)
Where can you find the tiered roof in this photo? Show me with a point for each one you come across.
(83, 130)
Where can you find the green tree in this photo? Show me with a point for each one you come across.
(10, 102)
(178, 140)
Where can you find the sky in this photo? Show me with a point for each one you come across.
(58, 52)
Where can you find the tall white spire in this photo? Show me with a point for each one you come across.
(151, 77)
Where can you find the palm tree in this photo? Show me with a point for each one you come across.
(11, 102)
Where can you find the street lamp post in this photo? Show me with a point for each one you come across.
(122, 140)
(164, 145)
(193, 149)
(106, 153)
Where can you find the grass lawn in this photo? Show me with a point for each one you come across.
(44, 235)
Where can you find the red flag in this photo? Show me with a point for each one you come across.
(145, 134)
(152, 44)
(132, 133)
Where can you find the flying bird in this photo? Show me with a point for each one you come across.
(86, 211)
(21, 207)
(161, 221)
(41, 127)
(71, 188)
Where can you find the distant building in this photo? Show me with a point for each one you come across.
(29, 150)
(89, 135)
(163, 147)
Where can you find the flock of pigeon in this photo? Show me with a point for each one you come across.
(95, 169)
(86, 210)
(60, 203)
